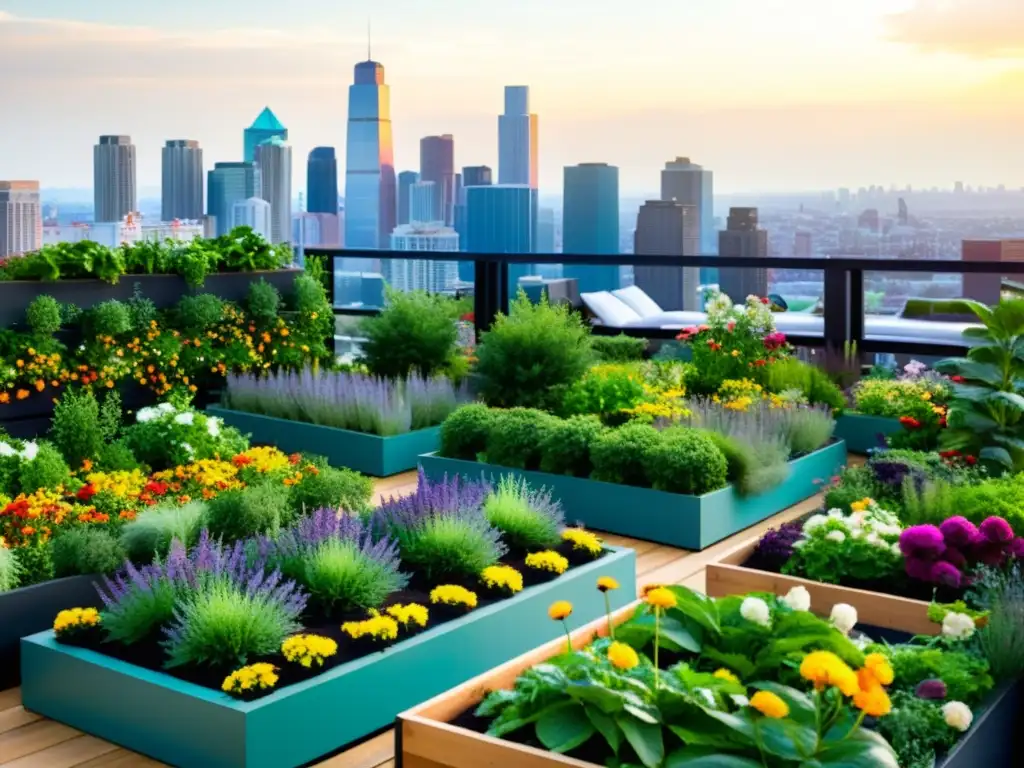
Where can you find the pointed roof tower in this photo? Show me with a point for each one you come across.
(267, 121)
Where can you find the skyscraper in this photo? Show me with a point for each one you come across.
(370, 204)
(690, 184)
(21, 218)
(437, 164)
(668, 228)
(423, 202)
(472, 176)
(227, 184)
(590, 223)
(500, 219)
(265, 126)
(477, 176)
(113, 178)
(322, 181)
(518, 136)
(274, 159)
(419, 274)
(405, 180)
(743, 238)
(181, 193)
(545, 240)
(255, 213)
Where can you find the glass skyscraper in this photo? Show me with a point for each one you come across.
(265, 127)
(590, 223)
(690, 184)
(500, 219)
(227, 184)
(322, 181)
(518, 136)
(405, 181)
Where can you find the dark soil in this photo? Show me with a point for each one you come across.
(149, 653)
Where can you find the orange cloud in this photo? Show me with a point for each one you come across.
(987, 29)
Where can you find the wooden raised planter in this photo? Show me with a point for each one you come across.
(370, 454)
(729, 576)
(184, 724)
(864, 433)
(688, 522)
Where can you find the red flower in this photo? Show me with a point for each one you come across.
(774, 341)
(909, 422)
(731, 326)
(295, 458)
(469, 317)
(241, 461)
(759, 363)
(156, 488)
(971, 460)
(765, 300)
(957, 379)
(86, 492)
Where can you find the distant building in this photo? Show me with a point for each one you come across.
(255, 213)
(803, 245)
(500, 219)
(274, 159)
(227, 184)
(419, 274)
(437, 164)
(668, 228)
(322, 181)
(546, 241)
(590, 223)
(477, 176)
(985, 287)
(518, 151)
(423, 202)
(114, 181)
(131, 229)
(266, 126)
(691, 184)
(181, 180)
(21, 218)
(472, 176)
(741, 237)
(405, 181)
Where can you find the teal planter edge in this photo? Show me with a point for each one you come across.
(688, 522)
(861, 431)
(370, 454)
(184, 724)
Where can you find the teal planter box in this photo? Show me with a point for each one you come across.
(369, 454)
(862, 433)
(184, 724)
(688, 522)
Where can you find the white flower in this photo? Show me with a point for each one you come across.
(188, 448)
(957, 625)
(844, 617)
(862, 641)
(798, 598)
(755, 610)
(799, 544)
(836, 514)
(836, 536)
(146, 414)
(708, 697)
(186, 418)
(30, 451)
(7, 450)
(874, 540)
(816, 521)
(896, 549)
(739, 699)
(213, 426)
(166, 408)
(958, 715)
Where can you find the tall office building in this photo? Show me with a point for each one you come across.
(181, 191)
(472, 176)
(266, 126)
(437, 164)
(419, 274)
(322, 181)
(500, 219)
(405, 180)
(741, 237)
(21, 218)
(274, 159)
(370, 194)
(227, 184)
(423, 202)
(668, 228)
(546, 241)
(690, 184)
(518, 136)
(113, 178)
(255, 213)
(590, 223)
(476, 176)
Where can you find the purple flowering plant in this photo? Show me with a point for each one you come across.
(945, 555)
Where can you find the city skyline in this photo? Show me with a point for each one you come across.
(841, 94)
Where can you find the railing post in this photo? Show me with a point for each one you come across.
(856, 306)
(837, 309)
(490, 293)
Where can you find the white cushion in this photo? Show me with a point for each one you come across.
(671, 318)
(639, 301)
(609, 310)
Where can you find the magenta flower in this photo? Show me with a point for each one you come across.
(918, 569)
(933, 690)
(946, 574)
(1017, 547)
(996, 530)
(958, 531)
(774, 340)
(923, 541)
(955, 556)
(990, 554)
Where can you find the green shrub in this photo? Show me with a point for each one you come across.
(565, 445)
(1002, 497)
(752, 469)
(200, 312)
(687, 461)
(47, 470)
(76, 427)
(263, 301)
(85, 551)
(10, 571)
(111, 318)
(35, 563)
(807, 429)
(331, 488)
(529, 520)
(43, 316)
(606, 391)
(165, 436)
(793, 374)
(965, 675)
(116, 456)
(855, 483)
(464, 433)
(621, 455)
(251, 511)
(150, 534)
(141, 612)
(341, 578)
(446, 549)
(618, 349)
(515, 437)
(916, 729)
(530, 357)
(415, 333)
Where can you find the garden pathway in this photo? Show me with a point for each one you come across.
(30, 741)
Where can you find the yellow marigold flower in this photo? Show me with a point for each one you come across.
(583, 540)
(769, 705)
(547, 561)
(376, 628)
(726, 674)
(560, 610)
(265, 459)
(862, 505)
(308, 650)
(871, 699)
(879, 668)
(452, 594)
(502, 577)
(622, 656)
(659, 597)
(411, 614)
(607, 584)
(76, 618)
(824, 668)
(250, 678)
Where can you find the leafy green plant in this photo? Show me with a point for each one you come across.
(528, 519)
(166, 436)
(141, 612)
(341, 577)
(10, 571)
(109, 319)
(565, 445)
(239, 514)
(687, 461)
(1001, 497)
(447, 548)
(966, 675)
(43, 316)
(263, 301)
(415, 333)
(197, 313)
(331, 488)
(618, 349)
(85, 551)
(791, 374)
(47, 470)
(464, 433)
(1002, 637)
(35, 563)
(855, 483)
(515, 437)
(606, 391)
(116, 456)
(916, 730)
(622, 455)
(530, 357)
(76, 427)
(150, 534)
(752, 468)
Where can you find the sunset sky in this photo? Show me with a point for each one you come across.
(770, 94)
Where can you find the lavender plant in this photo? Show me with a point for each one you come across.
(347, 400)
(529, 520)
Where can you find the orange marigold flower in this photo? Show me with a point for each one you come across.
(5, 397)
(22, 394)
(40, 385)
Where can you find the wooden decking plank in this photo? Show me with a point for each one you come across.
(657, 558)
(10, 698)
(370, 754)
(118, 758)
(67, 754)
(33, 737)
(16, 717)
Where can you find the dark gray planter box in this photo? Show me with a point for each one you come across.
(993, 738)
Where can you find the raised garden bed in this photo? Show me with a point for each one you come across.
(689, 522)
(29, 610)
(370, 454)
(864, 433)
(186, 724)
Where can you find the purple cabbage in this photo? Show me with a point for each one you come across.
(776, 545)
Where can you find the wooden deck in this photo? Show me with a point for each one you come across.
(30, 741)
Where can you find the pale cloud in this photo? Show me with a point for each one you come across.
(977, 28)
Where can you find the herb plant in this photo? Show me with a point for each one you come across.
(414, 334)
(529, 520)
(153, 530)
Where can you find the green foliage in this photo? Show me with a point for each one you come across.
(76, 427)
(10, 570)
(415, 333)
(47, 470)
(807, 429)
(464, 433)
(515, 437)
(930, 501)
(528, 520)
(1002, 637)
(791, 374)
(111, 318)
(530, 357)
(687, 461)
(855, 483)
(341, 578)
(85, 551)
(966, 676)
(618, 349)
(165, 437)
(43, 316)
(263, 301)
(66, 261)
(752, 469)
(917, 730)
(622, 455)
(197, 313)
(606, 391)
(150, 534)
(447, 549)
(35, 563)
(331, 488)
(258, 509)
(141, 613)
(838, 550)
(1002, 497)
(116, 456)
(565, 445)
